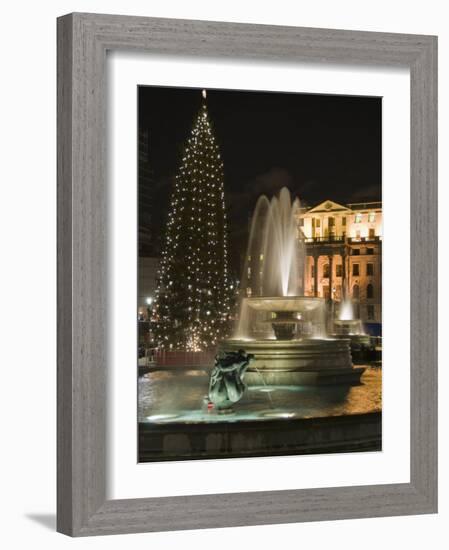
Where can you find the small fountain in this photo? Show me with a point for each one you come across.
(348, 327)
(284, 330)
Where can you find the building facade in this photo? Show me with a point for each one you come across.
(344, 255)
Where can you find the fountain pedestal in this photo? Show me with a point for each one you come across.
(284, 325)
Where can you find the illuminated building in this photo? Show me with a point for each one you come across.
(344, 254)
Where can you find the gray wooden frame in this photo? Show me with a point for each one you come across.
(83, 40)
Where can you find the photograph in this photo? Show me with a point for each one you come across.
(259, 307)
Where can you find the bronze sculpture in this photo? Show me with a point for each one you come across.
(226, 385)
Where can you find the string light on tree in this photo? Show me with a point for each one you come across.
(193, 298)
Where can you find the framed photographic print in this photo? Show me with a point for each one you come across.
(259, 273)
(233, 294)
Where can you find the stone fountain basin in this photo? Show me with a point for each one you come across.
(285, 303)
(352, 329)
(304, 361)
(354, 325)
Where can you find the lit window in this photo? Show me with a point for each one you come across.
(372, 217)
(358, 218)
(261, 257)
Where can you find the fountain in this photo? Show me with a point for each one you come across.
(284, 330)
(348, 327)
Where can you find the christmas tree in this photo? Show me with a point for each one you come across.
(194, 291)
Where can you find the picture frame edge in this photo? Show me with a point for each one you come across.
(82, 508)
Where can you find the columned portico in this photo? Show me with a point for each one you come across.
(328, 260)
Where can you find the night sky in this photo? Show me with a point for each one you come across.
(319, 146)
